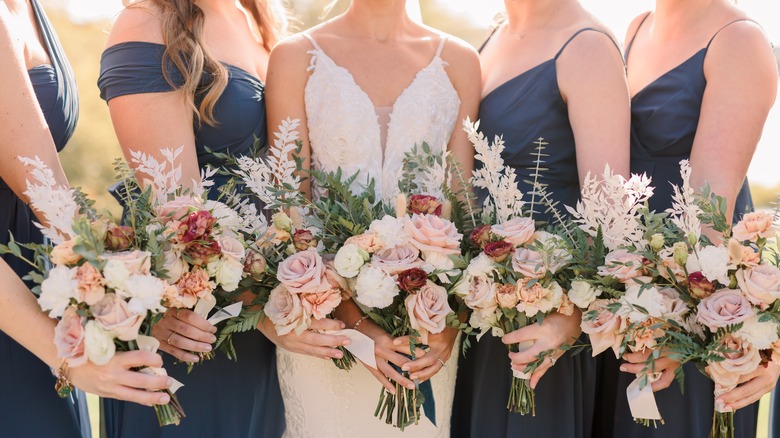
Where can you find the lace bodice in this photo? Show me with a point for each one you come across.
(344, 129)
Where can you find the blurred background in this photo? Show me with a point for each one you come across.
(83, 26)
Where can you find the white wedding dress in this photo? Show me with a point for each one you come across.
(346, 130)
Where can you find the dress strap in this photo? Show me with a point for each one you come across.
(727, 25)
(581, 31)
(442, 42)
(313, 42)
(633, 37)
(493, 32)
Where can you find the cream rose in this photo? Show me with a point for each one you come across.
(604, 327)
(753, 226)
(349, 259)
(397, 259)
(303, 272)
(178, 208)
(136, 262)
(433, 235)
(116, 274)
(69, 338)
(285, 311)
(761, 285)
(481, 266)
(481, 295)
(428, 310)
(528, 263)
(227, 272)
(622, 265)
(174, 266)
(640, 303)
(113, 316)
(98, 344)
(63, 253)
(517, 231)
(675, 308)
(582, 294)
(723, 308)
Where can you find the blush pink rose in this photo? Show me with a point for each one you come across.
(528, 263)
(320, 305)
(69, 338)
(368, 242)
(622, 265)
(397, 259)
(481, 296)
(675, 308)
(91, 284)
(761, 285)
(136, 262)
(111, 314)
(517, 231)
(723, 308)
(753, 226)
(231, 247)
(604, 328)
(177, 209)
(428, 310)
(303, 272)
(285, 311)
(433, 235)
(743, 359)
(63, 253)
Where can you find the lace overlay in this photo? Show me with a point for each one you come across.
(345, 130)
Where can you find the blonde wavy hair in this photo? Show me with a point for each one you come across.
(182, 29)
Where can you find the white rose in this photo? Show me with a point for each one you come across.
(227, 271)
(145, 293)
(98, 344)
(436, 261)
(57, 290)
(374, 288)
(116, 274)
(712, 262)
(174, 266)
(231, 247)
(481, 266)
(648, 299)
(349, 259)
(582, 294)
(761, 334)
(390, 230)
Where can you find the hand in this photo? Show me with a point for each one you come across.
(182, 332)
(751, 387)
(310, 342)
(116, 380)
(427, 364)
(556, 331)
(664, 365)
(387, 353)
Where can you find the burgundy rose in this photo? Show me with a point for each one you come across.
(198, 226)
(119, 237)
(499, 251)
(699, 286)
(255, 264)
(481, 236)
(303, 240)
(411, 280)
(424, 204)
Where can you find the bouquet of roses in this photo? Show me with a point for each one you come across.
(515, 276)
(100, 280)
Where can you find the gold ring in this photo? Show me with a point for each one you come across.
(441, 362)
(168, 341)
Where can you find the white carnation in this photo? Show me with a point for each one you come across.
(116, 274)
(712, 262)
(145, 293)
(98, 344)
(649, 299)
(374, 288)
(227, 271)
(481, 266)
(349, 259)
(390, 230)
(761, 334)
(57, 290)
(582, 294)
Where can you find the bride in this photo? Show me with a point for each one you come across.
(369, 85)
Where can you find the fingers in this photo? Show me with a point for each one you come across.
(540, 371)
(195, 320)
(427, 373)
(145, 398)
(749, 392)
(136, 380)
(178, 341)
(396, 359)
(667, 377)
(528, 333)
(178, 353)
(529, 355)
(190, 331)
(137, 358)
(639, 357)
(326, 324)
(419, 364)
(323, 340)
(387, 370)
(382, 379)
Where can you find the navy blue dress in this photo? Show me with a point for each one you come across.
(664, 118)
(27, 393)
(220, 397)
(524, 109)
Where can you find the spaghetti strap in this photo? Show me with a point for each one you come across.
(727, 25)
(442, 41)
(313, 42)
(583, 30)
(633, 37)
(493, 32)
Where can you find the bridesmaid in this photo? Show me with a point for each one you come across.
(38, 111)
(182, 72)
(543, 69)
(703, 79)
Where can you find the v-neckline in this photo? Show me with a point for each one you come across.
(40, 28)
(667, 73)
(517, 76)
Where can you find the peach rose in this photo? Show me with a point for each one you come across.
(177, 209)
(622, 265)
(433, 235)
(428, 310)
(136, 262)
(69, 338)
(303, 272)
(285, 311)
(368, 242)
(517, 231)
(397, 259)
(91, 284)
(754, 226)
(604, 327)
(320, 305)
(567, 307)
(112, 314)
(528, 263)
(63, 253)
(740, 254)
(538, 299)
(743, 359)
(193, 285)
(507, 295)
(644, 336)
(761, 285)
(481, 296)
(723, 308)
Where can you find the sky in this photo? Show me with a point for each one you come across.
(616, 14)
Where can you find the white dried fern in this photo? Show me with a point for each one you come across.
(436, 177)
(685, 211)
(56, 203)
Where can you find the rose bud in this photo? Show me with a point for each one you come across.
(255, 264)
(499, 251)
(303, 240)
(119, 237)
(680, 251)
(481, 236)
(411, 280)
(657, 242)
(507, 295)
(281, 221)
(198, 226)
(699, 286)
(424, 204)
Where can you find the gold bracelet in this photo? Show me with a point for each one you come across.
(63, 386)
(360, 321)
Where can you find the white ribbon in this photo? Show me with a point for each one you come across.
(720, 406)
(642, 400)
(207, 303)
(148, 343)
(359, 344)
(522, 346)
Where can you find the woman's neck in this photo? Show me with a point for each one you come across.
(528, 15)
(382, 20)
(673, 17)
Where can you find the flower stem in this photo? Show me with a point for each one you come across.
(722, 425)
(346, 361)
(172, 413)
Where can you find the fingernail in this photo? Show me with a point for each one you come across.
(410, 386)
(207, 348)
(405, 367)
(213, 329)
(165, 399)
(396, 342)
(338, 355)
(413, 377)
(342, 325)
(346, 342)
(622, 368)
(194, 359)
(212, 339)
(169, 382)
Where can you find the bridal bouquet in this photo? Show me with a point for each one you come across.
(515, 278)
(100, 280)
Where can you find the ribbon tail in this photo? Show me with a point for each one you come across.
(642, 400)
(359, 344)
(429, 403)
(224, 313)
